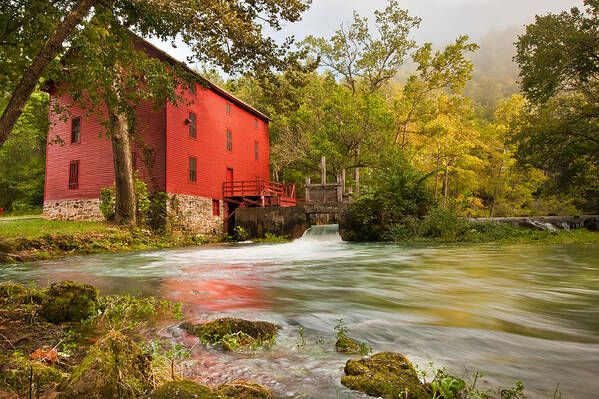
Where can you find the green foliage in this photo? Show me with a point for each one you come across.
(107, 202)
(447, 387)
(23, 157)
(387, 211)
(126, 312)
(364, 58)
(144, 199)
(558, 70)
(157, 212)
(240, 233)
(341, 329)
(176, 353)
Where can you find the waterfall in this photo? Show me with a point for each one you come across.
(324, 233)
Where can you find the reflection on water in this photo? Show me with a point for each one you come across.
(515, 312)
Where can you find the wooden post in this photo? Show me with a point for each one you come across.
(357, 178)
(307, 190)
(323, 169)
(339, 189)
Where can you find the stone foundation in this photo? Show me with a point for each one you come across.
(87, 210)
(189, 213)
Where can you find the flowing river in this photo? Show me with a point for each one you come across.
(514, 312)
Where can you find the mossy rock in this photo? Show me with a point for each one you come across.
(69, 301)
(184, 389)
(10, 292)
(244, 390)
(115, 367)
(387, 375)
(17, 369)
(347, 345)
(217, 331)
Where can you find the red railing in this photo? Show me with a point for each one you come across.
(252, 188)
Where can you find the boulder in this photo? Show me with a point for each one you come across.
(183, 389)
(347, 345)
(233, 333)
(387, 375)
(244, 390)
(115, 367)
(69, 301)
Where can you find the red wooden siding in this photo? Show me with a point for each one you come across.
(210, 145)
(163, 145)
(94, 153)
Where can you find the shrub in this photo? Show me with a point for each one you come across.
(156, 215)
(388, 210)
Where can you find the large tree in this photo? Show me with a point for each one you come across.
(363, 58)
(104, 67)
(559, 69)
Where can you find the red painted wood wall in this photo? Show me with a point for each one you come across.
(166, 134)
(210, 145)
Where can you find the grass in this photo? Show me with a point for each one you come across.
(34, 228)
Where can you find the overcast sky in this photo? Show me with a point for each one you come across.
(442, 20)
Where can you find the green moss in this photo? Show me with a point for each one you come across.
(115, 367)
(183, 389)
(387, 375)
(69, 301)
(244, 390)
(10, 292)
(347, 345)
(18, 369)
(233, 334)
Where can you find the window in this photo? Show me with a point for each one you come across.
(229, 140)
(192, 169)
(75, 128)
(215, 208)
(192, 125)
(256, 123)
(256, 150)
(228, 109)
(74, 175)
(192, 88)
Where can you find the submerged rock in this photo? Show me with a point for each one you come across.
(184, 389)
(115, 367)
(347, 345)
(69, 301)
(387, 375)
(244, 390)
(233, 333)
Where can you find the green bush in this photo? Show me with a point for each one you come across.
(388, 211)
(142, 197)
(156, 215)
(444, 223)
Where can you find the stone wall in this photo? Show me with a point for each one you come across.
(189, 213)
(290, 221)
(87, 210)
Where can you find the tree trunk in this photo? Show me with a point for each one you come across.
(437, 166)
(497, 187)
(446, 181)
(31, 77)
(125, 205)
